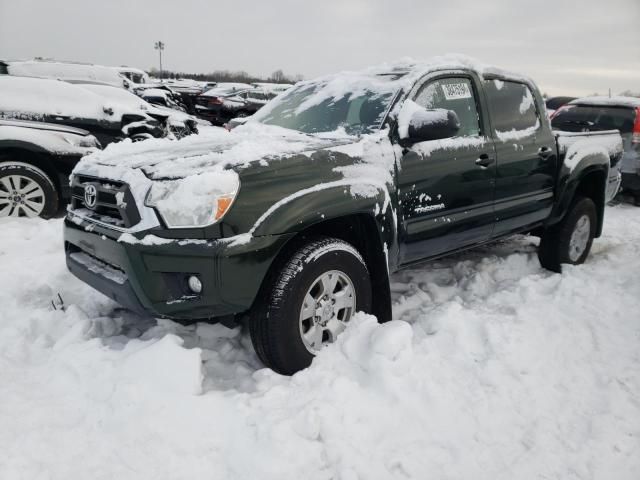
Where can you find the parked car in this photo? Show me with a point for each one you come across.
(227, 101)
(35, 162)
(134, 75)
(555, 103)
(161, 95)
(59, 102)
(188, 90)
(179, 123)
(66, 71)
(292, 222)
(593, 114)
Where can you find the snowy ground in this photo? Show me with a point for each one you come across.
(495, 369)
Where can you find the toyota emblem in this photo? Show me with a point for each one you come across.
(90, 196)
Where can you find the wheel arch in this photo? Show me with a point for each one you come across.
(590, 182)
(367, 234)
(35, 157)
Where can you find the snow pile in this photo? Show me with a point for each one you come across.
(493, 368)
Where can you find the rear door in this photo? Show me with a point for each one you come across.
(526, 155)
(445, 187)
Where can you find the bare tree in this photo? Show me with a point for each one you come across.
(278, 77)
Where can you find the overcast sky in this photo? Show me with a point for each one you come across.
(572, 47)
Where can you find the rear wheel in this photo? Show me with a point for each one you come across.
(26, 191)
(309, 303)
(569, 241)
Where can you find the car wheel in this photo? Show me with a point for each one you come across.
(308, 303)
(569, 241)
(26, 191)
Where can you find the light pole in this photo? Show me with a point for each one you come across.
(160, 47)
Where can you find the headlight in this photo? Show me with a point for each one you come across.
(196, 201)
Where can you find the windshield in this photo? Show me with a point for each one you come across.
(329, 106)
(577, 118)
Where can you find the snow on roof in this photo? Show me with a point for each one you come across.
(117, 95)
(32, 98)
(154, 92)
(387, 79)
(407, 70)
(66, 71)
(225, 88)
(615, 101)
(132, 70)
(272, 87)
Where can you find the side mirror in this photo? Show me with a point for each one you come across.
(418, 124)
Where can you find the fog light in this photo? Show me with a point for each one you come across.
(195, 284)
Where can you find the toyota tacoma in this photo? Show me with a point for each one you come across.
(292, 222)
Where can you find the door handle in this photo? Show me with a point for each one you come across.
(544, 153)
(484, 161)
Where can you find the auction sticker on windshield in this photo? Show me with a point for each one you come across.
(453, 91)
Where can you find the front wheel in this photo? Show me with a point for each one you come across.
(569, 241)
(310, 302)
(26, 191)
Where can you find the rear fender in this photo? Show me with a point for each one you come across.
(583, 172)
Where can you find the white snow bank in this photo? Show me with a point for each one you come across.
(494, 368)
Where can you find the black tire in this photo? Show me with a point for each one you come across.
(555, 243)
(9, 171)
(275, 321)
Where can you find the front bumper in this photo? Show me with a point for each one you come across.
(152, 279)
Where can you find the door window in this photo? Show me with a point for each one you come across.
(512, 106)
(454, 93)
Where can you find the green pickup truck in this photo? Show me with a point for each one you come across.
(293, 221)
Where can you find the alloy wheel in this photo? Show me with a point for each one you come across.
(20, 196)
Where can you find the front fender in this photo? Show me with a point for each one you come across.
(324, 201)
(28, 146)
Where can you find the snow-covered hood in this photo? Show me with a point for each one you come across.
(211, 150)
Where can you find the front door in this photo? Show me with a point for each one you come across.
(446, 187)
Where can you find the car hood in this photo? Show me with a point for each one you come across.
(214, 149)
